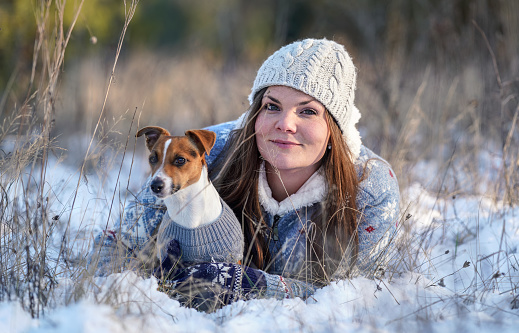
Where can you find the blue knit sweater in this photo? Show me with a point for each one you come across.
(377, 202)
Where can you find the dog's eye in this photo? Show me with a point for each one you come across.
(153, 159)
(179, 161)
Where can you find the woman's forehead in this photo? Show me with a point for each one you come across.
(284, 92)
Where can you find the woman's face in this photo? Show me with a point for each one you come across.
(291, 130)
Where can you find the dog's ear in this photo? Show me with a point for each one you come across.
(152, 133)
(203, 139)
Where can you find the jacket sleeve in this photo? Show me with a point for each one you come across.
(378, 214)
(105, 257)
(280, 287)
(114, 247)
(223, 283)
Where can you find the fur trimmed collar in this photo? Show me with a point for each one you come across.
(313, 190)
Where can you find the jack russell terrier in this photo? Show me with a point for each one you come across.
(180, 179)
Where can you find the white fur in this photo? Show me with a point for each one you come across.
(196, 205)
(313, 190)
(160, 174)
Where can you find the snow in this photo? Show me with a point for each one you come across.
(463, 251)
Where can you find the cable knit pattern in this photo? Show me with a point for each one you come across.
(322, 69)
(220, 241)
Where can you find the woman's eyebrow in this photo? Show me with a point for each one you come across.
(301, 103)
(273, 99)
(306, 102)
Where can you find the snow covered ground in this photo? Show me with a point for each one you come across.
(462, 250)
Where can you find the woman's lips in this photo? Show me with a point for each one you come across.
(284, 144)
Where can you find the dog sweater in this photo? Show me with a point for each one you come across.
(219, 241)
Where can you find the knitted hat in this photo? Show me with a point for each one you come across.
(322, 69)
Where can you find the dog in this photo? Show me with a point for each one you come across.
(180, 175)
(180, 178)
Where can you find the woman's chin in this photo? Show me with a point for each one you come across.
(289, 166)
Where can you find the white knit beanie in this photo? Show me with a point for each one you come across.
(322, 69)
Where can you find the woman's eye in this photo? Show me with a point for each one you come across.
(271, 107)
(179, 161)
(309, 112)
(153, 159)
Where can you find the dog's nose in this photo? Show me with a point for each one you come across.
(157, 185)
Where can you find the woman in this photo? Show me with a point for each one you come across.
(315, 204)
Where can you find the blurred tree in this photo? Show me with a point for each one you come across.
(402, 32)
(100, 23)
(158, 23)
(17, 33)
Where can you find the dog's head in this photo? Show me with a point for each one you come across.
(176, 161)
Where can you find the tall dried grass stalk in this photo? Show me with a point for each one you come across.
(29, 264)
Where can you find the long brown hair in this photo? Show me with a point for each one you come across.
(333, 235)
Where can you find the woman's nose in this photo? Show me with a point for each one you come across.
(286, 122)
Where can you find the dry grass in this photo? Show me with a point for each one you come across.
(436, 116)
(30, 261)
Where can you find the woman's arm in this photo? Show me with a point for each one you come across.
(208, 286)
(115, 246)
(378, 203)
(281, 287)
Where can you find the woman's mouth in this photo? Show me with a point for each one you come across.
(284, 143)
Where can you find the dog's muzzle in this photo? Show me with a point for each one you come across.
(162, 189)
